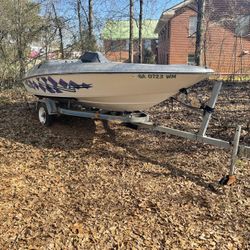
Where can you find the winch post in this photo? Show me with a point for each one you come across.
(211, 105)
(231, 178)
(235, 150)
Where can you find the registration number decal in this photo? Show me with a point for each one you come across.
(157, 76)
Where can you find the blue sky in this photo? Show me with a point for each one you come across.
(112, 9)
(118, 9)
(159, 7)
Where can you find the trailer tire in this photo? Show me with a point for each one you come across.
(43, 115)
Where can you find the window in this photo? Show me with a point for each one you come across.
(242, 26)
(116, 45)
(191, 59)
(147, 44)
(192, 25)
(168, 29)
(127, 45)
(166, 34)
(113, 46)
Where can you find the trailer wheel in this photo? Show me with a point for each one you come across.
(43, 115)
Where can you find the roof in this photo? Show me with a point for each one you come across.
(219, 10)
(119, 30)
(169, 13)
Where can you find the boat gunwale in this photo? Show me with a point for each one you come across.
(134, 73)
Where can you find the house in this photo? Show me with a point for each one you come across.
(115, 38)
(226, 43)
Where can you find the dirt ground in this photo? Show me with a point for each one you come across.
(85, 184)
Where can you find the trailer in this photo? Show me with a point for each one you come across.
(47, 108)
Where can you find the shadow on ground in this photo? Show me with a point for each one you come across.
(174, 171)
(19, 123)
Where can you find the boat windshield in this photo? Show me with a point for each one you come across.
(93, 57)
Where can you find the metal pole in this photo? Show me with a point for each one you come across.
(211, 105)
(235, 150)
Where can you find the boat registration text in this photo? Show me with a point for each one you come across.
(157, 76)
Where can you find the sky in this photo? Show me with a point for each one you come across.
(159, 7)
(119, 9)
(112, 10)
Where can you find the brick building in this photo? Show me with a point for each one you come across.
(115, 38)
(226, 47)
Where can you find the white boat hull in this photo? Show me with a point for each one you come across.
(124, 91)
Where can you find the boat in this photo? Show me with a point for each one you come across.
(95, 82)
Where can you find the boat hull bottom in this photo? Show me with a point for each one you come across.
(122, 104)
(125, 103)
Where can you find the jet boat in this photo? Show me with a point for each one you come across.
(95, 82)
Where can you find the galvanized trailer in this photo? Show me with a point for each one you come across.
(47, 108)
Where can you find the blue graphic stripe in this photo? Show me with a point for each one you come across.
(51, 85)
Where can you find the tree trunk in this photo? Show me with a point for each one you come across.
(140, 31)
(21, 61)
(91, 19)
(60, 31)
(199, 32)
(61, 42)
(131, 32)
(19, 30)
(80, 25)
(46, 51)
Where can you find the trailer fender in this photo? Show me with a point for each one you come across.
(50, 104)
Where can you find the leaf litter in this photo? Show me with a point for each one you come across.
(88, 184)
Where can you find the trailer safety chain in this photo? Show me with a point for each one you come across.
(206, 108)
(184, 104)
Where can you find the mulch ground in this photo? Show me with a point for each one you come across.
(85, 184)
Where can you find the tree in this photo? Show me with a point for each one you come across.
(21, 24)
(90, 18)
(80, 25)
(140, 31)
(48, 34)
(59, 24)
(199, 45)
(131, 34)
